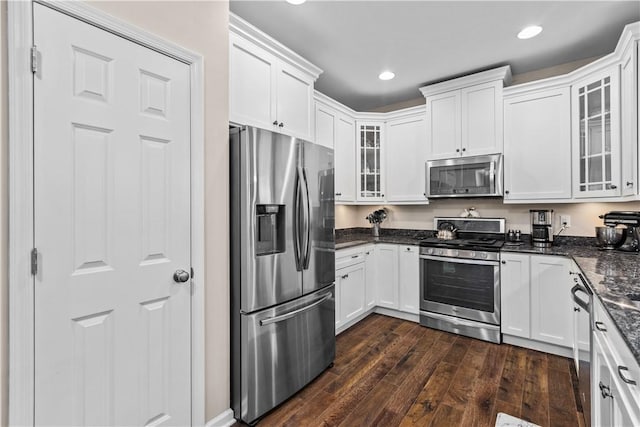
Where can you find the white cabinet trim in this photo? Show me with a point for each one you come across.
(501, 73)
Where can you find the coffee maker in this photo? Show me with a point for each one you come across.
(541, 228)
(629, 219)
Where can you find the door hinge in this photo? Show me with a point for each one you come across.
(34, 261)
(34, 59)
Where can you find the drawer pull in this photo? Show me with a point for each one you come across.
(605, 391)
(622, 377)
(355, 256)
(346, 276)
(600, 326)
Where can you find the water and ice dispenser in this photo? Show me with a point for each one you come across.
(270, 224)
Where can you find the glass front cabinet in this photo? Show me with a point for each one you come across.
(596, 135)
(370, 165)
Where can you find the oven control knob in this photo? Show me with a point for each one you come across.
(455, 253)
(472, 254)
(439, 252)
(429, 251)
(484, 255)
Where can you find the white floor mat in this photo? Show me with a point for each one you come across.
(505, 420)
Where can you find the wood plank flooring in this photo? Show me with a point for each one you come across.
(390, 372)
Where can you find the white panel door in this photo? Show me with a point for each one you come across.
(406, 157)
(325, 126)
(371, 297)
(294, 102)
(443, 125)
(551, 302)
(629, 124)
(345, 158)
(112, 328)
(536, 125)
(252, 82)
(514, 295)
(409, 279)
(481, 119)
(387, 275)
(352, 291)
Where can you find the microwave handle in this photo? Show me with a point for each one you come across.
(492, 176)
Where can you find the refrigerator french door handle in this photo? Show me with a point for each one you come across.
(306, 222)
(294, 313)
(297, 246)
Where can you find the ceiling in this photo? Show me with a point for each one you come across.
(428, 41)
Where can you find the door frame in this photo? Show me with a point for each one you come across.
(21, 192)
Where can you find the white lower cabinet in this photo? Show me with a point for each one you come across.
(380, 275)
(536, 298)
(409, 279)
(387, 275)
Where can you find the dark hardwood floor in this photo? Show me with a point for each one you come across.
(390, 372)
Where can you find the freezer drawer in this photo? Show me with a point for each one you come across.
(282, 349)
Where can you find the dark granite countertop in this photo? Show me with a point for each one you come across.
(614, 276)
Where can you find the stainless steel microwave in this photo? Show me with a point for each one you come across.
(477, 176)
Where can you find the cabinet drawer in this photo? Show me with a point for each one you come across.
(625, 367)
(349, 257)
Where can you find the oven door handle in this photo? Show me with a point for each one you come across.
(460, 260)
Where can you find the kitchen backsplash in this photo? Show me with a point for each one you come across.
(584, 216)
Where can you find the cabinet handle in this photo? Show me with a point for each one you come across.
(354, 256)
(629, 184)
(338, 194)
(622, 377)
(613, 187)
(457, 150)
(503, 262)
(281, 125)
(408, 249)
(275, 122)
(605, 390)
(464, 149)
(382, 195)
(576, 309)
(346, 276)
(506, 192)
(600, 326)
(367, 253)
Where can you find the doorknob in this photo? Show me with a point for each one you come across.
(180, 276)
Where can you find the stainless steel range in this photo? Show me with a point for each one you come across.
(460, 278)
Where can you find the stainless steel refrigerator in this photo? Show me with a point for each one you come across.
(282, 267)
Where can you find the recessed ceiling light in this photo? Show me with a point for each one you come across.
(529, 32)
(296, 2)
(386, 75)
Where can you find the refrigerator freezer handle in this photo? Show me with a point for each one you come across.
(294, 313)
(306, 221)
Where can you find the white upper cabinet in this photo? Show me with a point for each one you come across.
(335, 128)
(270, 86)
(406, 157)
(370, 161)
(596, 134)
(537, 144)
(464, 115)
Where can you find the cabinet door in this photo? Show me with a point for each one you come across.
(629, 123)
(387, 275)
(294, 102)
(345, 159)
(551, 303)
(596, 135)
(252, 73)
(409, 279)
(601, 397)
(370, 162)
(352, 281)
(537, 146)
(370, 279)
(514, 294)
(406, 159)
(443, 125)
(481, 119)
(326, 123)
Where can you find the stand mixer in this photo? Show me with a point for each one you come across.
(629, 219)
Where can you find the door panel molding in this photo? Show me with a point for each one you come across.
(21, 214)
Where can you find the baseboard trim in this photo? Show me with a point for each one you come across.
(537, 345)
(224, 419)
(398, 314)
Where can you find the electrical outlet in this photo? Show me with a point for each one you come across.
(565, 220)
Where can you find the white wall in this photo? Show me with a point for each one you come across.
(584, 216)
(201, 26)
